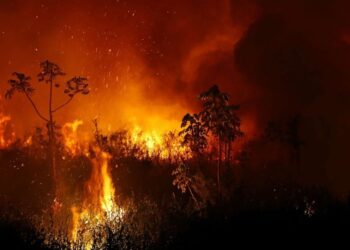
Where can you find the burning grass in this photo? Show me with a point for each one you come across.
(137, 189)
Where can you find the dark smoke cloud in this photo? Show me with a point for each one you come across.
(297, 54)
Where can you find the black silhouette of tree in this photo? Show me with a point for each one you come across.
(48, 75)
(183, 180)
(194, 133)
(220, 118)
(100, 139)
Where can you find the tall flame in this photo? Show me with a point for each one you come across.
(99, 208)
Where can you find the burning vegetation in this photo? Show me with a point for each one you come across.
(186, 123)
(94, 212)
(101, 189)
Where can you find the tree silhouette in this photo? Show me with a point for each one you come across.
(183, 180)
(194, 133)
(221, 120)
(48, 75)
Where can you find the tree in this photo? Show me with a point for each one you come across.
(221, 120)
(183, 181)
(48, 75)
(194, 133)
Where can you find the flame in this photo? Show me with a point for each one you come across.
(70, 136)
(164, 145)
(28, 142)
(151, 140)
(6, 138)
(99, 208)
(107, 198)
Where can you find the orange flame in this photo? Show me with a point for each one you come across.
(70, 136)
(99, 208)
(166, 145)
(6, 139)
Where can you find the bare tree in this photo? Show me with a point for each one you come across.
(48, 75)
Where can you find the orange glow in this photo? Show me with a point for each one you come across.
(156, 144)
(99, 208)
(6, 138)
(107, 198)
(70, 136)
(28, 141)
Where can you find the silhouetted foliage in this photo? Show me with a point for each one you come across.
(20, 84)
(194, 133)
(48, 74)
(220, 118)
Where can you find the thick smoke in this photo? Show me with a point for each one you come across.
(141, 57)
(296, 54)
(148, 60)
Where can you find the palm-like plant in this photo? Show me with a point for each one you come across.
(48, 74)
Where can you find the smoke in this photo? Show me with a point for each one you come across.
(148, 60)
(296, 55)
(144, 60)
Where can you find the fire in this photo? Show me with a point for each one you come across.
(6, 137)
(164, 145)
(28, 141)
(99, 208)
(107, 199)
(70, 136)
(152, 140)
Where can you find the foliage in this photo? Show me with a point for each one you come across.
(20, 84)
(77, 85)
(48, 74)
(194, 133)
(218, 116)
(182, 180)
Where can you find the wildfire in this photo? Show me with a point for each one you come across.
(6, 137)
(99, 209)
(151, 140)
(166, 145)
(28, 141)
(70, 136)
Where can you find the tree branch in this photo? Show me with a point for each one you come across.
(34, 106)
(62, 105)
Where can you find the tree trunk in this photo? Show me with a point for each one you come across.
(194, 197)
(52, 142)
(229, 152)
(225, 153)
(218, 168)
